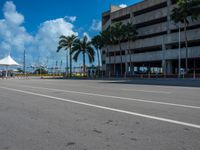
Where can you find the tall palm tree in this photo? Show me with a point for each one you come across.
(113, 42)
(181, 14)
(118, 30)
(67, 42)
(83, 47)
(130, 35)
(107, 41)
(98, 44)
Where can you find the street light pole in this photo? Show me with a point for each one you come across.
(179, 56)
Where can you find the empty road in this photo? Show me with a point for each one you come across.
(38, 114)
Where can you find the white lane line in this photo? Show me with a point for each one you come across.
(147, 91)
(116, 97)
(107, 108)
(131, 89)
(123, 89)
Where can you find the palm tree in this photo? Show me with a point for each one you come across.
(130, 35)
(67, 42)
(98, 44)
(107, 41)
(113, 42)
(85, 47)
(118, 31)
(181, 14)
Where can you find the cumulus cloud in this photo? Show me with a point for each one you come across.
(46, 39)
(13, 36)
(11, 15)
(56, 27)
(96, 25)
(70, 18)
(87, 35)
(39, 47)
(123, 5)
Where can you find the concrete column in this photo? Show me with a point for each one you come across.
(126, 67)
(138, 69)
(126, 61)
(168, 16)
(164, 63)
(164, 66)
(169, 67)
(103, 58)
(163, 56)
(132, 69)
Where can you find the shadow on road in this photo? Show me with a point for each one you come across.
(156, 81)
(165, 82)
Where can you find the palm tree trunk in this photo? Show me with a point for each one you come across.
(84, 69)
(186, 47)
(70, 64)
(126, 62)
(129, 50)
(107, 66)
(66, 63)
(114, 61)
(121, 71)
(109, 63)
(98, 61)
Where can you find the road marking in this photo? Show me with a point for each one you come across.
(116, 97)
(124, 89)
(147, 91)
(108, 88)
(108, 108)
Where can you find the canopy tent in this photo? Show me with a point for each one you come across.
(8, 61)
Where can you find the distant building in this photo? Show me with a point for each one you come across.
(156, 48)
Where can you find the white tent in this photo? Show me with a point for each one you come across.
(8, 61)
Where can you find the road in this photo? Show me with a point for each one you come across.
(37, 114)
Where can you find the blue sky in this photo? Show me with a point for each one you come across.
(35, 25)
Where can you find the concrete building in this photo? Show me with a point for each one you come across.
(157, 45)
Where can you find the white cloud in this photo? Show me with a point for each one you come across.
(15, 39)
(56, 27)
(13, 35)
(11, 15)
(46, 40)
(87, 35)
(123, 5)
(70, 18)
(96, 25)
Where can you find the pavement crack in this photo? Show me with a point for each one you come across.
(70, 144)
(97, 131)
(133, 139)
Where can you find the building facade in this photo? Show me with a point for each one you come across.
(157, 46)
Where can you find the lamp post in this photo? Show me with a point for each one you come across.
(179, 47)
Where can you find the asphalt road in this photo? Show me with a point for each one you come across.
(38, 114)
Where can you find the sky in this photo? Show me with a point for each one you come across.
(35, 26)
